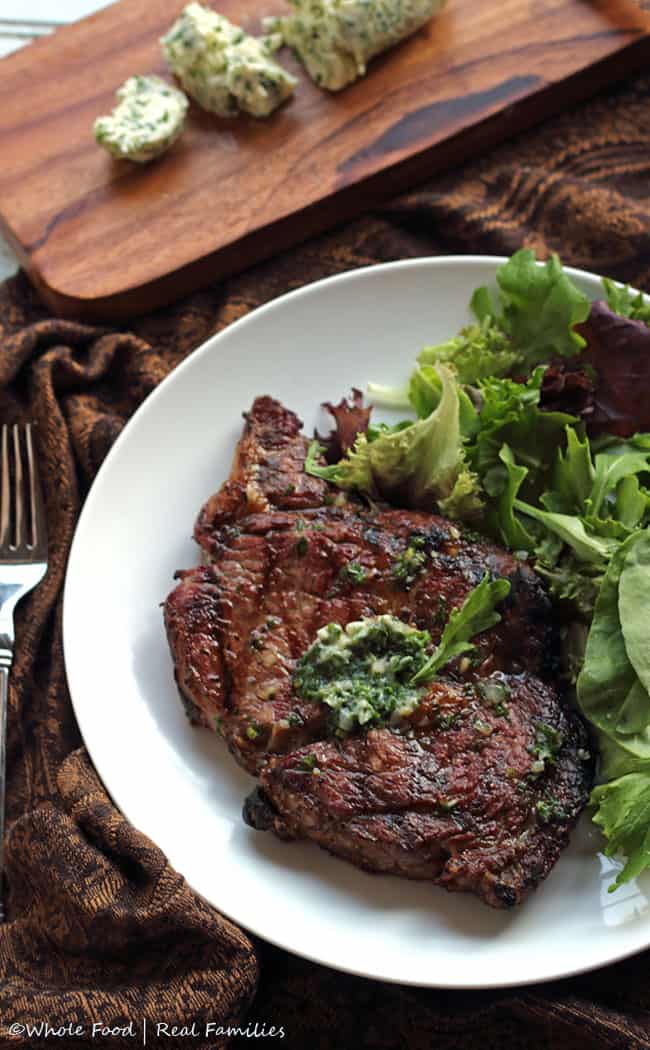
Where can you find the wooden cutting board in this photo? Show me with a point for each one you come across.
(102, 239)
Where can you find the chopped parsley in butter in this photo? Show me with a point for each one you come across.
(363, 672)
(223, 68)
(335, 39)
(374, 670)
(149, 116)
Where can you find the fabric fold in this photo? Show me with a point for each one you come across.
(107, 932)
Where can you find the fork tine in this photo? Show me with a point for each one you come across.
(4, 489)
(19, 502)
(38, 537)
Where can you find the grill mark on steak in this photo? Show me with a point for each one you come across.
(274, 543)
(455, 805)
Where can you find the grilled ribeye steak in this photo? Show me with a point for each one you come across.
(458, 794)
(284, 555)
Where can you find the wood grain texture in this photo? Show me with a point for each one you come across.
(105, 239)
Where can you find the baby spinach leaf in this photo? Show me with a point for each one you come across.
(634, 714)
(633, 604)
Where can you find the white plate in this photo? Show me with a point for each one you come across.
(179, 785)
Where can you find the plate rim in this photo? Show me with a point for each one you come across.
(490, 263)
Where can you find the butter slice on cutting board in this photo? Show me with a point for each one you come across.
(223, 68)
(335, 39)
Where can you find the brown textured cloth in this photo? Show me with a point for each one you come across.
(102, 929)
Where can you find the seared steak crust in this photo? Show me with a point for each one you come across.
(278, 547)
(267, 472)
(455, 795)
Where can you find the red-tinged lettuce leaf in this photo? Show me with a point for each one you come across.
(566, 387)
(351, 419)
(618, 349)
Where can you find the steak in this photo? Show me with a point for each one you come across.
(452, 796)
(459, 792)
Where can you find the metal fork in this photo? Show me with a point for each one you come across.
(23, 564)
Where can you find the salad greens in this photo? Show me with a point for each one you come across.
(477, 613)
(531, 426)
(613, 692)
(537, 309)
(626, 303)
(418, 466)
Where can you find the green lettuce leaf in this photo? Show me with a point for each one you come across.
(354, 471)
(608, 686)
(504, 487)
(571, 529)
(573, 477)
(616, 761)
(626, 303)
(632, 502)
(510, 415)
(633, 602)
(420, 465)
(464, 502)
(610, 469)
(634, 713)
(623, 813)
(538, 308)
(478, 351)
(425, 392)
(389, 396)
(477, 614)
(482, 306)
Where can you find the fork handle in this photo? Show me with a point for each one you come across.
(5, 664)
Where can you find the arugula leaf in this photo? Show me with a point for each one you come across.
(623, 812)
(573, 477)
(476, 614)
(502, 517)
(568, 578)
(538, 308)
